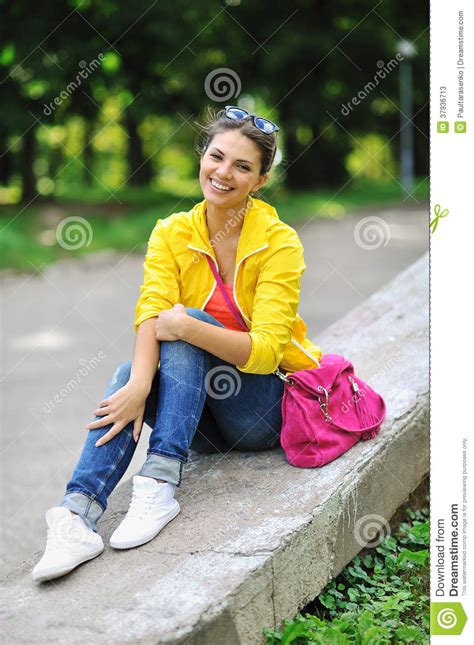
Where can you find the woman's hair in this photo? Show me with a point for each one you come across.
(215, 123)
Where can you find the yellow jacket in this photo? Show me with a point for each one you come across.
(268, 270)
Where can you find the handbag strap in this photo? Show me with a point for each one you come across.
(234, 311)
(324, 407)
(367, 429)
(227, 299)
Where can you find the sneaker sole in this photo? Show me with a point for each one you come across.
(58, 571)
(129, 544)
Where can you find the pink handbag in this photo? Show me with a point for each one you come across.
(325, 410)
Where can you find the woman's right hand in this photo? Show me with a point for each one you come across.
(125, 405)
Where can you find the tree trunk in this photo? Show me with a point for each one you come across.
(27, 158)
(6, 163)
(88, 154)
(139, 168)
(298, 170)
(320, 164)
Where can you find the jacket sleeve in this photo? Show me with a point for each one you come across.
(275, 306)
(160, 289)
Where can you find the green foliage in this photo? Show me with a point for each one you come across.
(372, 158)
(123, 220)
(381, 597)
(156, 56)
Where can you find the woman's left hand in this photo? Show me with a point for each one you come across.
(170, 323)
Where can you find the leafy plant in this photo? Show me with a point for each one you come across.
(380, 597)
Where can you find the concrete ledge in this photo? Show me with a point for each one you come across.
(256, 539)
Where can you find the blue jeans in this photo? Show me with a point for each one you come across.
(196, 401)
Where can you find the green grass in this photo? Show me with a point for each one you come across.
(338, 202)
(379, 598)
(28, 233)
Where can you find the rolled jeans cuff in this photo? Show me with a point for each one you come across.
(83, 505)
(162, 467)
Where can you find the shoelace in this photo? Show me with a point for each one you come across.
(140, 505)
(53, 540)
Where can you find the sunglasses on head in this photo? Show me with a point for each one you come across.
(266, 126)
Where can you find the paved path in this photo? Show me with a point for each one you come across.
(71, 324)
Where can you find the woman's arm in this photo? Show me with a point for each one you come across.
(175, 324)
(128, 403)
(232, 346)
(146, 354)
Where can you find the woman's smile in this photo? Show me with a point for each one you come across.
(219, 186)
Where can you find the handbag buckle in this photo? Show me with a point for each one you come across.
(324, 407)
(283, 377)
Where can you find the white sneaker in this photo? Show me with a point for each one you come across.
(69, 542)
(152, 507)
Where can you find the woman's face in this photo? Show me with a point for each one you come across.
(233, 161)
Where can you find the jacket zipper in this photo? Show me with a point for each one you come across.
(305, 351)
(235, 279)
(235, 276)
(215, 281)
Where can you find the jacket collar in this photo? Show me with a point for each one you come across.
(253, 235)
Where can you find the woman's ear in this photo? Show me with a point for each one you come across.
(260, 182)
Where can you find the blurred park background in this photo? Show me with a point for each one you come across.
(99, 111)
(100, 102)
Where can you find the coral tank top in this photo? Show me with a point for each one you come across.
(218, 308)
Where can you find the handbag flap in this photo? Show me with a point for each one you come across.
(371, 409)
(325, 375)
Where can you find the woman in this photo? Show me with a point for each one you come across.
(183, 323)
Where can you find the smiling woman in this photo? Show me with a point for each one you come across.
(230, 170)
(198, 380)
